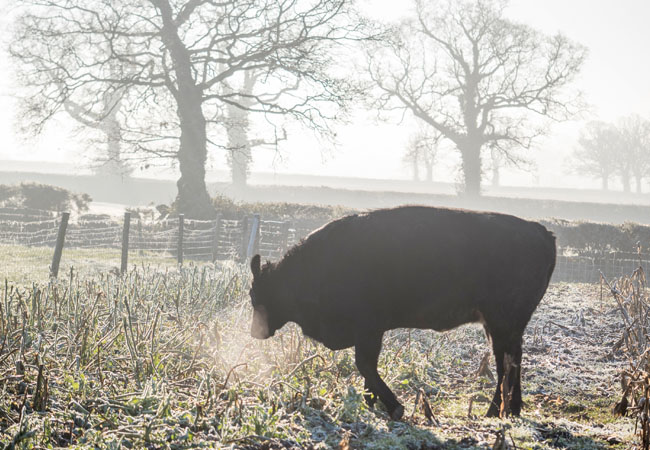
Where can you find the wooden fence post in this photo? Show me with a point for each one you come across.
(284, 237)
(125, 242)
(58, 250)
(244, 239)
(215, 238)
(181, 226)
(140, 237)
(254, 238)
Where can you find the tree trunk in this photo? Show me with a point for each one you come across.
(193, 199)
(238, 146)
(638, 182)
(114, 165)
(415, 167)
(240, 159)
(496, 176)
(430, 172)
(471, 155)
(496, 166)
(605, 182)
(625, 179)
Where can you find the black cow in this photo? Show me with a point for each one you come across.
(409, 267)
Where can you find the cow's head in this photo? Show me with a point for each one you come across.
(267, 312)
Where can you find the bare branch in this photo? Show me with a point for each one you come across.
(476, 77)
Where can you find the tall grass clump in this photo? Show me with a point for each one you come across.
(147, 359)
(631, 295)
(162, 359)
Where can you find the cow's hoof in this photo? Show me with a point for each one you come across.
(397, 413)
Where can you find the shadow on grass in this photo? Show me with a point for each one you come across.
(327, 433)
(557, 436)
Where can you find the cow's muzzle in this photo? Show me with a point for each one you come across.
(260, 325)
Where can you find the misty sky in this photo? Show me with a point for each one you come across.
(614, 80)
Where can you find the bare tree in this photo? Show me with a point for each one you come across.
(237, 124)
(102, 116)
(476, 77)
(106, 120)
(239, 145)
(599, 151)
(422, 151)
(171, 60)
(634, 157)
(412, 158)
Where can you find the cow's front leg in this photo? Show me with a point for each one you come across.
(367, 348)
(369, 395)
(502, 347)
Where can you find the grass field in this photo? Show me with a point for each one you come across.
(162, 358)
(25, 265)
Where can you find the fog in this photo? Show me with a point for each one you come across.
(195, 195)
(368, 152)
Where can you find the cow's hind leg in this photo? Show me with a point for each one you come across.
(367, 348)
(515, 379)
(503, 346)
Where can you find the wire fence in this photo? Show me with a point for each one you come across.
(28, 239)
(585, 269)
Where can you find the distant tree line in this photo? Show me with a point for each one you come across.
(620, 150)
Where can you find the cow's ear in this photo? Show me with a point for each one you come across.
(255, 265)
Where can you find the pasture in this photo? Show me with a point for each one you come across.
(162, 358)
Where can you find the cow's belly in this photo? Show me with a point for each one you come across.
(438, 316)
(332, 336)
